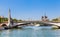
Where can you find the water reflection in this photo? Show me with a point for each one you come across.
(30, 32)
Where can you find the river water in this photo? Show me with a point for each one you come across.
(30, 31)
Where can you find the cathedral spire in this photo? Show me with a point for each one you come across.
(45, 15)
(44, 18)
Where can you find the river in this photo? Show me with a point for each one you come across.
(31, 32)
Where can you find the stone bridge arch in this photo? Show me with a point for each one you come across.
(4, 24)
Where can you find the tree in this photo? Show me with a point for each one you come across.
(5, 19)
(15, 20)
(55, 20)
(20, 20)
(0, 20)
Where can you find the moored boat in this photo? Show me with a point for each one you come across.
(55, 27)
(37, 25)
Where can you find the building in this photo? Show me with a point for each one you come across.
(1, 16)
(44, 18)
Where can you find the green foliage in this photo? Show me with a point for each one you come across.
(6, 20)
(0, 20)
(3, 20)
(55, 20)
(15, 20)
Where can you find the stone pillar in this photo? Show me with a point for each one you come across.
(9, 18)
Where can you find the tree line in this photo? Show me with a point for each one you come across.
(56, 20)
(2, 20)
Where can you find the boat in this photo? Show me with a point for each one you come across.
(55, 27)
(37, 25)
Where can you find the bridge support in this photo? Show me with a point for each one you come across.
(10, 22)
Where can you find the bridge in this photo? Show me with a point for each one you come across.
(10, 23)
(42, 23)
(34, 22)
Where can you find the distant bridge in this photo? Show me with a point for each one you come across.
(41, 22)
(37, 22)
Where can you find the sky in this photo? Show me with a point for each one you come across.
(30, 9)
